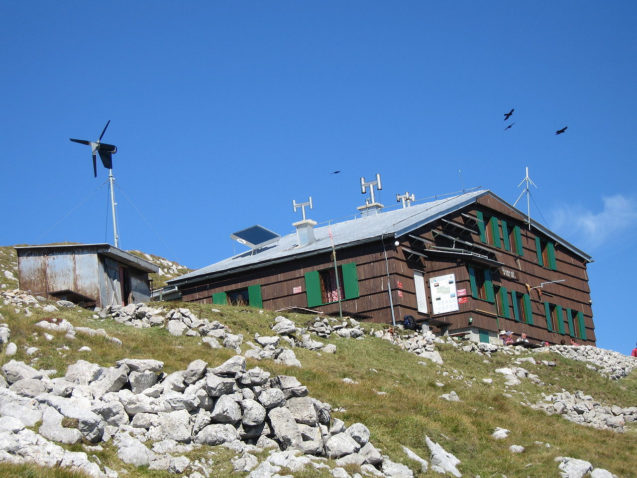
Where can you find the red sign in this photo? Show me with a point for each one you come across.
(400, 293)
(400, 285)
(463, 300)
(462, 292)
(297, 289)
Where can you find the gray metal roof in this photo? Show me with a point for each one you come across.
(101, 249)
(394, 223)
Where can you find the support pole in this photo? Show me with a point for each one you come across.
(111, 180)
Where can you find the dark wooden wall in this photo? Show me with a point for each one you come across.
(573, 293)
(278, 282)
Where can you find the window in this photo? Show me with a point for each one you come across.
(522, 307)
(504, 230)
(545, 253)
(250, 295)
(515, 238)
(481, 285)
(489, 227)
(322, 286)
(551, 317)
(502, 302)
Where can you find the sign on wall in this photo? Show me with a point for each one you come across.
(421, 293)
(443, 294)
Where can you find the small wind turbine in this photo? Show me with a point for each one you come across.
(106, 152)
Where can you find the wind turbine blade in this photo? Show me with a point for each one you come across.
(94, 166)
(104, 131)
(81, 141)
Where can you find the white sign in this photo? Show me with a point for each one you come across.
(421, 292)
(443, 294)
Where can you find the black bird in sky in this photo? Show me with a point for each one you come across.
(509, 127)
(336, 172)
(560, 131)
(508, 115)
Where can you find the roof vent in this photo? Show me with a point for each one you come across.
(371, 207)
(305, 227)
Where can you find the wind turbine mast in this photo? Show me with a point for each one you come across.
(527, 181)
(111, 181)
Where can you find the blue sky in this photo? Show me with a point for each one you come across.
(224, 112)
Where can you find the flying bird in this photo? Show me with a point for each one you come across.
(508, 115)
(105, 151)
(560, 131)
(336, 172)
(509, 126)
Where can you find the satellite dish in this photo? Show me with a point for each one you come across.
(97, 147)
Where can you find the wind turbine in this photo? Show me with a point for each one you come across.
(106, 152)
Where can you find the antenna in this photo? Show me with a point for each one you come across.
(527, 190)
(406, 199)
(371, 185)
(106, 152)
(302, 205)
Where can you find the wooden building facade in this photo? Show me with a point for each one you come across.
(469, 264)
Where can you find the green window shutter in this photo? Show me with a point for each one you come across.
(527, 309)
(254, 296)
(538, 248)
(350, 280)
(582, 326)
(560, 319)
(505, 235)
(519, 248)
(313, 288)
(495, 232)
(504, 299)
(488, 285)
(483, 236)
(551, 255)
(569, 318)
(514, 301)
(220, 298)
(472, 280)
(547, 312)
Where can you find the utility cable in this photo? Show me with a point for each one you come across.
(119, 188)
(71, 211)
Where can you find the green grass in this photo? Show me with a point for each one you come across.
(410, 409)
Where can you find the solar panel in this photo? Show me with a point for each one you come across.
(255, 236)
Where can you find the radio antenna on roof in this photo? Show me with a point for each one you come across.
(302, 205)
(406, 199)
(527, 190)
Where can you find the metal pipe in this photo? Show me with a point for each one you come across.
(111, 180)
(391, 300)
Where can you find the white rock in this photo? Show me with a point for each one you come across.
(441, 460)
(412, 456)
(500, 433)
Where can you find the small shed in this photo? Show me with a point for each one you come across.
(87, 274)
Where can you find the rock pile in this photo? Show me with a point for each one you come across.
(583, 409)
(177, 322)
(419, 343)
(607, 362)
(135, 403)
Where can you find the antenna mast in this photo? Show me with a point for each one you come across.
(527, 190)
(111, 180)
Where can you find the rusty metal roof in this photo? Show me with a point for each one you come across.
(102, 249)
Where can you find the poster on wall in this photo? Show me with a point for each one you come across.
(421, 294)
(443, 294)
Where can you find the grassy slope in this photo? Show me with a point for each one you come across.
(410, 409)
